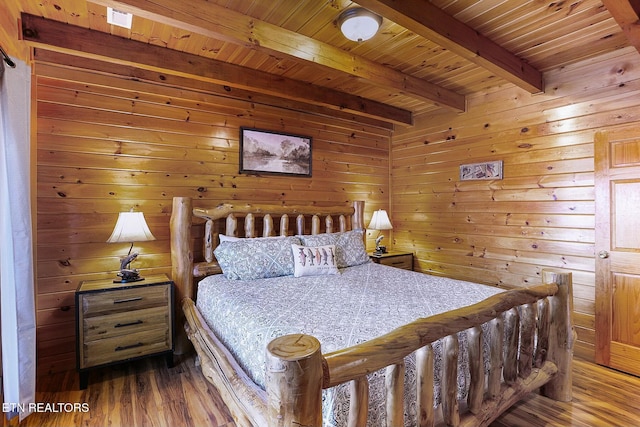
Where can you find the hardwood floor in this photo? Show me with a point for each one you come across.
(602, 397)
(146, 393)
(140, 393)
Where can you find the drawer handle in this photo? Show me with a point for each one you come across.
(120, 301)
(122, 325)
(397, 262)
(127, 347)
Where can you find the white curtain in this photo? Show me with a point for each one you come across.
(17, 308)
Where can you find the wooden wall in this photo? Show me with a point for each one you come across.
(107, 144)
(542, 213)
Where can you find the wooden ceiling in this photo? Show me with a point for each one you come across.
(427, 55)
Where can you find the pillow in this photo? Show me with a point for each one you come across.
(349, 245)
(225, 238)
(256, 258)
(314, 260)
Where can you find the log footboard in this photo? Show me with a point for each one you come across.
(539, 354)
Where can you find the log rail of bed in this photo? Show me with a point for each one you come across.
(540, 318)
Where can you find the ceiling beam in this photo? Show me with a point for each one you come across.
(155, 79)
(67, 38)
(627, 15)
(217, 22)
(432, 23)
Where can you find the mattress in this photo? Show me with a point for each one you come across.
(341, 310)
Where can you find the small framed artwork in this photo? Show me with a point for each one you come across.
(486, 170)
(269, 152)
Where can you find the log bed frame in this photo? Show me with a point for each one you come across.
(537, 355)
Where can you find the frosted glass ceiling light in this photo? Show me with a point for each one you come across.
(359, 24)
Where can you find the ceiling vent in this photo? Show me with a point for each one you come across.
(121, 19)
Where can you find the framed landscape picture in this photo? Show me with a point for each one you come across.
(270, 152)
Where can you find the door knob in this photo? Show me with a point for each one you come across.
(603, 254)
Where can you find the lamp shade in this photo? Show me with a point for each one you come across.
(131, 227)
(380, 221)
(359, 24)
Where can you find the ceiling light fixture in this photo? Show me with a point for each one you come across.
(359, 24)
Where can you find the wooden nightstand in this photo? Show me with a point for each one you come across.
(394, 259)
(119, 322)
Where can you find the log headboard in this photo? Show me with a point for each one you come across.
(189, 263)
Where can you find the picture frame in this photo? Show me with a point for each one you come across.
(481, 171)
(270, 152)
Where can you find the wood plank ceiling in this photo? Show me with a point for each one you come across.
(426, 56)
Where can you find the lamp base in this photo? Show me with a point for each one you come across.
(128, 276)
(128, 280)
(380, 250)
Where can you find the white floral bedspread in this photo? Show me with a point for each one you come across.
(361, 303)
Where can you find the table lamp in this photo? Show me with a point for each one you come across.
(130, 227)
(380, 221)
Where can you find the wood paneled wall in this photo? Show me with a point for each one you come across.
(107, 144)
(542, 213)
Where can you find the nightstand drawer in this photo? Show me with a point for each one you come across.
(400, 261)
(119, 300)
(124, 347)
(394, 259)
(110, 325)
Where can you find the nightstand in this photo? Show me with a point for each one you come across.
(394, 259)
(119, 322)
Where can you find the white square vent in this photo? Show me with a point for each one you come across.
(121, 19)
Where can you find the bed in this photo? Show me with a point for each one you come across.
(333, 354)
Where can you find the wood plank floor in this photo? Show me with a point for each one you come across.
(146, 393)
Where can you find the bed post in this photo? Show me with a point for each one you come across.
(181, 263)
(294, 376)
(562, 335)
(357, 222)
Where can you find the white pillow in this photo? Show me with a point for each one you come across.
(350, 248)
(314, 260)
